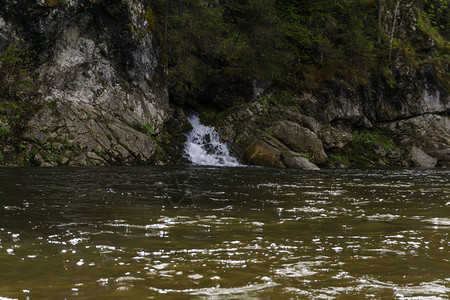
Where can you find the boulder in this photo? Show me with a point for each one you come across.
(429, 132)
(421, 159)
(262, 154)
(299, 139)
(295, 161)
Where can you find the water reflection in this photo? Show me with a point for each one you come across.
(164, 232)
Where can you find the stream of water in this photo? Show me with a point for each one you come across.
(223, 233)
(203, 146)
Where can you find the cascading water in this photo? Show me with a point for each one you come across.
(203, 146)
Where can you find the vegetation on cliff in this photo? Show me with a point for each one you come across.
(296, 45)
(16, 90)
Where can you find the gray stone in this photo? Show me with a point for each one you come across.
(428, 132)
(295, 161)
(380, 150)
(38, 159)
(421, 159)
(335, 138)
(96, 82)
(305, 121)
(299, 139)
(93, 156)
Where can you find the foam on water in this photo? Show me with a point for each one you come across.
(203, 146)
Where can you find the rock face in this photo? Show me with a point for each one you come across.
(430, 132)
(373, 124)
(99, 76)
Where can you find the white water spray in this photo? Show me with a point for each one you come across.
(203, 146)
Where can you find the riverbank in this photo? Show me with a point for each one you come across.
(93, 83)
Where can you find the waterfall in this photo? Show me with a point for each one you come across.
(203, 146)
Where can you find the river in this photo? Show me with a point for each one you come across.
(223, 233)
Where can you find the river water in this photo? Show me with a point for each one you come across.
(223, 233)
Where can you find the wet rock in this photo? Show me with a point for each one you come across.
(262, 154)
(299, 139)
(421, 159)
(295, 161)
(418, 93)
(93, 156)
(47, 164)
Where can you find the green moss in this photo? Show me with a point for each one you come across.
(361, 151)
(149, 16)
(207, 116)
(99, 153)
(160, 154)
(51, 3)
(145, 128)
(373, 138)
(424, 24)
(338, 159)
(4, 131)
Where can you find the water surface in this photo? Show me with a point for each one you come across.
(224, 233)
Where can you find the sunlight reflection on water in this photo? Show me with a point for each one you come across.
(239, 233)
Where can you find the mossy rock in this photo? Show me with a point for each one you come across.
(51, 3)
(262, 154)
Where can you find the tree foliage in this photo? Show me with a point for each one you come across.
(437, 11)
(294, 44)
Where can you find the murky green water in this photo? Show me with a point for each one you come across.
(227, 233)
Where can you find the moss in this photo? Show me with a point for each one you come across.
(160, 154)
(99, 153)
(4, 131)
(51, 3)
(373, 138)
(149, 16)
(424, 24)
(338, 159)
(208, 116)
(361, 151)
(145, 128)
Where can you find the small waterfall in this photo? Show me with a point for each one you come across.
(203, 146)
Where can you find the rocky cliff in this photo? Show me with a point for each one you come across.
(99, 96)
(395, 119)
(95, 92)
